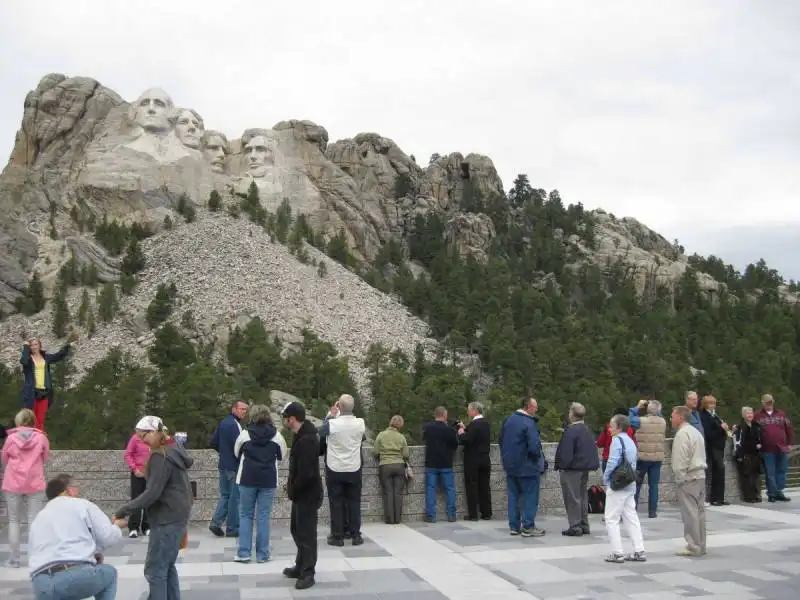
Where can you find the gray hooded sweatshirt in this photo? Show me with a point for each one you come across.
(168, 496)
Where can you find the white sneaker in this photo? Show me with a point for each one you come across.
(146, 533)
(133, 534)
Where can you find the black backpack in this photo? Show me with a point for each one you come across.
(597, 500)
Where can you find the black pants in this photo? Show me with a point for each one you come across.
(138, 520)
(716, 468)
(303, 526)
(476, 486)
(749, 467)
(344, 496)
(393, 485)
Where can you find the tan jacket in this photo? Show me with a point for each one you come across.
(688, 455)
(650, 436)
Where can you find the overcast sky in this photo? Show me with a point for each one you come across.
(685, 115)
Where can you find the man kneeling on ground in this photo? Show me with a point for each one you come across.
(65, 543)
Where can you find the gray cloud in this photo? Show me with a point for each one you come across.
(684, 118)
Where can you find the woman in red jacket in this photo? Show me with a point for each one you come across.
(605, 438)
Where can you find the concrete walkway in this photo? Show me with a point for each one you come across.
(754, 554)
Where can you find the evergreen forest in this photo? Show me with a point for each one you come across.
(536, 318)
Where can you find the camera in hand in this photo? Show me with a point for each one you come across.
(457, 424)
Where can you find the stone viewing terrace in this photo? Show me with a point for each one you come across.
(753, 552)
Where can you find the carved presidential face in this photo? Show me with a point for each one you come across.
(214, 151)
(258, 155)
(152, 110)
(189, 128)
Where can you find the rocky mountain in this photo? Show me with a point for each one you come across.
(83, 154)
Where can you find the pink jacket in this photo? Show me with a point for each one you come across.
(23, 455)
(137, 453)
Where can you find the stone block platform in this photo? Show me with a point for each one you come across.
(754, 554)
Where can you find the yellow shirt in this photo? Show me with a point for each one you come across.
(38, 373)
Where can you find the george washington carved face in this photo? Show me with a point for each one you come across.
(189, 127)
(152, 111)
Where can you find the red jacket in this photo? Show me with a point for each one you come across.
(605, 439)
(777, 433)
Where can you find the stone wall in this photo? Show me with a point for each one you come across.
(104, 479)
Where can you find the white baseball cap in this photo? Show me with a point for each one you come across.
(150, 423)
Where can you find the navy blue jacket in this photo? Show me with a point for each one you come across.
(260, 447)
(576, 450)
(441, 443)
(223, 440)
(28, 374)
(521, 446)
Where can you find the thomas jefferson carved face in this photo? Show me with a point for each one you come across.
(189, 128)
(258, 154)
(152, 110)
(215, 148)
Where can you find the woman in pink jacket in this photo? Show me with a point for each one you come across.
(24, 453)
(137, 453)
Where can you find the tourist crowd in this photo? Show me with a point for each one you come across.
(68, 536)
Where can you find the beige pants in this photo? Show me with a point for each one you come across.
(691, 500)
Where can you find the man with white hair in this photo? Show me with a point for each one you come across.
(576, 455)
(344, 434)
(694, 414)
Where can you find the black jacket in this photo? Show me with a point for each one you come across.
(168, 496)
(29, 374)
(716, 437)
(305, 483)
(747, 439)
(576, 450)
(476, 440)
(441, 443)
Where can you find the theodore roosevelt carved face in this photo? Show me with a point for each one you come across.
(215, 149)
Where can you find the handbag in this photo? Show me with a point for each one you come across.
(409, 472)
(623, 474)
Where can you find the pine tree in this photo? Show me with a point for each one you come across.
(91, 326)
(133, 261)
(160, 307)
(107, 303)
(214, 201)
(61, 316)
(84, 308)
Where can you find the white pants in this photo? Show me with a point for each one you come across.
(14, 505)
(621, 506)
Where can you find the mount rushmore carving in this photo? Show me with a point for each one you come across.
(81, 148)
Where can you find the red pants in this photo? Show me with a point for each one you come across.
(40, 410)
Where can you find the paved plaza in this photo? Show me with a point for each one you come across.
(754, 554)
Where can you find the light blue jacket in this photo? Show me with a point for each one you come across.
(615, 456)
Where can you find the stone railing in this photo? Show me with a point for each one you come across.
(104, 479)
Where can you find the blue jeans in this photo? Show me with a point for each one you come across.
(228, 508)
(651, 469)
(524, 491)
(434, 478)
(776, 464)
(98, 581)
(159, 565)
(255, 502)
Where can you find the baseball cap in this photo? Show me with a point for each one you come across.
(150, 423)
(296, 410)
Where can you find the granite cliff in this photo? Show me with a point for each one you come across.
(84, 153)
